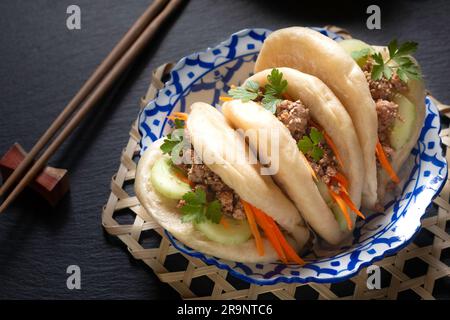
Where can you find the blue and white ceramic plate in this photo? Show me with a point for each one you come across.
(204, 76)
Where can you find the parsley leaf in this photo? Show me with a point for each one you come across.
(270, 103)
(197, 209)
(316, 153)
(179, 124)
(252, 86)
(276, 86)
(404, 65)
(305, 144)
(316, 136)
(214, 211)
(406, 48)
(310, 145)
(242, 94)
(168, 145)
(173, 141)
(273, 91)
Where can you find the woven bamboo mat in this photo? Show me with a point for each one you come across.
(418, 271)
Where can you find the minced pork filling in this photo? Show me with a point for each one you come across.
(383, 92)
(295, 116)
(214, 187)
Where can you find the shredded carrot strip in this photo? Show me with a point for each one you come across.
(183, 178)
(385, 163)
(343, 207)
(254, 228)
(350, 203)
(287, 97)
(224, 99)
(290, 253)
(261, 219)
(342, 180)
(224, 222)
(181, 115)
(333, 148)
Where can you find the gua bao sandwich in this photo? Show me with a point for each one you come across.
(380, 87)
(320, 160)
(221, 207)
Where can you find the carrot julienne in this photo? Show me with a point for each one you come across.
(178, 116)
(222, 98)
(181, 115)
(341, 179)
(253, 227)
(287, 97)
(290, 253)
(350, 203)
(183, 178)
(385, 163)
(262, 221)
(341, 203)
(224, 222)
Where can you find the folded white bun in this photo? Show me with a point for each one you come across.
(294, 173)
(415, 94)
(311, 52)
(210, 133)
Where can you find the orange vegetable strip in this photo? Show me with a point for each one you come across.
(183, 178)
(343, 208)
(221, 98)
(290, 252)
(261, 219)
(253, 227)
(224, 222)
(333, 148)
(265, 225)
(181, 115)
(342, 180)
(385, 163)
(287, 97)
(350, 203)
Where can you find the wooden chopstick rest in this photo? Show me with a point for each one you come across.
(51, 183)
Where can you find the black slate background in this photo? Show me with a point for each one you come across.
(42, 65)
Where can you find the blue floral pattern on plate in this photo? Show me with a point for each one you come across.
(204, 76)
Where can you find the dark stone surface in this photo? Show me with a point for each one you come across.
(42, 65)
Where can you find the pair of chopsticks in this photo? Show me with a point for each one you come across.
(103, 78)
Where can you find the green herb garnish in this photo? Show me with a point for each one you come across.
(311, 144)
(243, 93)
(172, 140)
(196, 209)
(273, 91)
(404, 66)
(178, 123)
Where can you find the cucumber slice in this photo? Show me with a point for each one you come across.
(404, 124)
(166, 182)
(351, 45)
(339, 216)
(238, 231)
(323, 189)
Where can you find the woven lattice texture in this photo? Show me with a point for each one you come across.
(414, 272)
